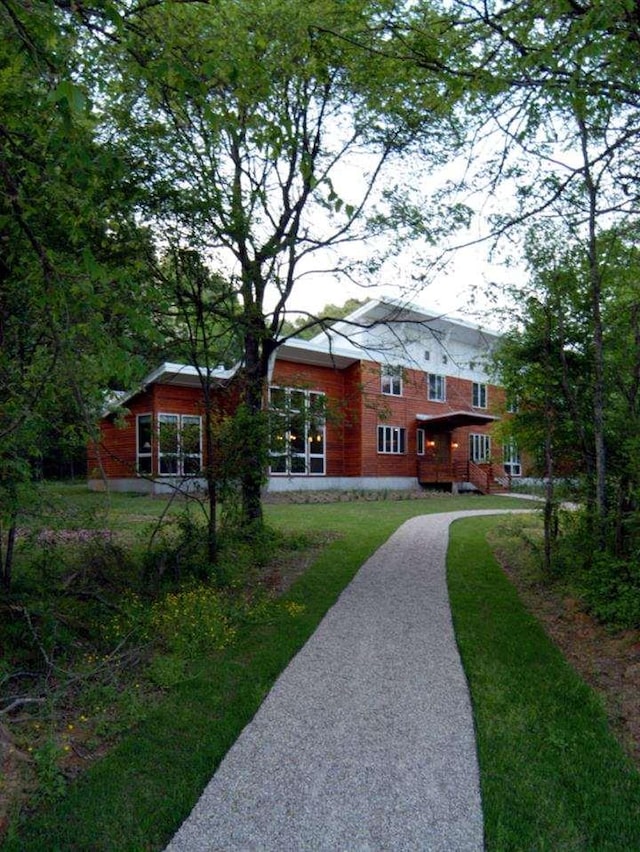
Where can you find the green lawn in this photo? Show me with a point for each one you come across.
(553, 776)
(137, 796)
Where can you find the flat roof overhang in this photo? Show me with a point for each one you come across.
(455, 420)
(321, 355)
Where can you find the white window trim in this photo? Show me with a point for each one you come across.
(308, 455)
(479, 448)
(420, 442)
(145, 455)
(181, 418)
(479, 395)
(442, 382)
(394, 440)
(511, 459)
(392, 377)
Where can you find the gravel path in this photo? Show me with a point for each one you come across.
(366, 740)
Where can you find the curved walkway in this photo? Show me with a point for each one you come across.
(366, 741)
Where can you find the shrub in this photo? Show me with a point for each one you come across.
(612, 590)
(192, 622)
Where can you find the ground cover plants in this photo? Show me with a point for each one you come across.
(553, 775)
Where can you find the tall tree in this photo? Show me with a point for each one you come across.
(67, 247)
(554, 103)
(267, 134)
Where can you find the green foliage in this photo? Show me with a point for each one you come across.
(611, 589)
(192, 622)
(51, 783)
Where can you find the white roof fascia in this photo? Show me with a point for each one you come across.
(344, 326)
(187, 371)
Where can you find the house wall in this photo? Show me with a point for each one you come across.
(356, 407)
(115, 455)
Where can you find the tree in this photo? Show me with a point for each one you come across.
(248, 115)
(553, 97)
(549, 363)
(187, 304)
(67, 241)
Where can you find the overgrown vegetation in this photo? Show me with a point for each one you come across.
(113, 599)
(607, 588)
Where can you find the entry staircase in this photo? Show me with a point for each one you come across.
(488, 479)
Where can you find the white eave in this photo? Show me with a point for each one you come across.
(319, 354)
(181, 375)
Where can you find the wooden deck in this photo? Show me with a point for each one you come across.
(485, 478)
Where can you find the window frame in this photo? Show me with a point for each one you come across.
(391, 440)
(511, 459)
(147, 456)
(180, 420)
(298, 449)
(391, 377)
(436, 391)
(479, 394)
(420, 442)
(479, 448)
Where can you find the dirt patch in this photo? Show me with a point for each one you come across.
(608, 662)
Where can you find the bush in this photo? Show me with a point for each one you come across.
(612, 590)
(193, 622)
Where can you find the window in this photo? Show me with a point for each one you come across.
(143, 447)
(479, 395)
(179, 445)
(420, 442)
(479, 448)
(437, 389)
(511, 459)
(391, 380)
(512, 404)
(297, 432)
(391, 439)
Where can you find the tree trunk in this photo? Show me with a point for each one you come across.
(550, 525)
(595, 295)
(253, 467)
(6, 565)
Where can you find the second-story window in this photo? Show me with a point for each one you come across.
(436, 388)
(479, 395)
(391, 381)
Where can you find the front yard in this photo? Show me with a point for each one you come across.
(142, 673)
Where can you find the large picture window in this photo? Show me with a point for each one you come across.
(436, 387)
(297, 432)
(479, 448)
(391, 439)
(179, 444)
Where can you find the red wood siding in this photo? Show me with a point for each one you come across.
(356, 409)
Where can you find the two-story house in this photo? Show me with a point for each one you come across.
(392, 397)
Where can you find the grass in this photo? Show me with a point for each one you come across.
(553, 776)
(137, 796)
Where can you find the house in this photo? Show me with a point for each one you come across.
(390, 397)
